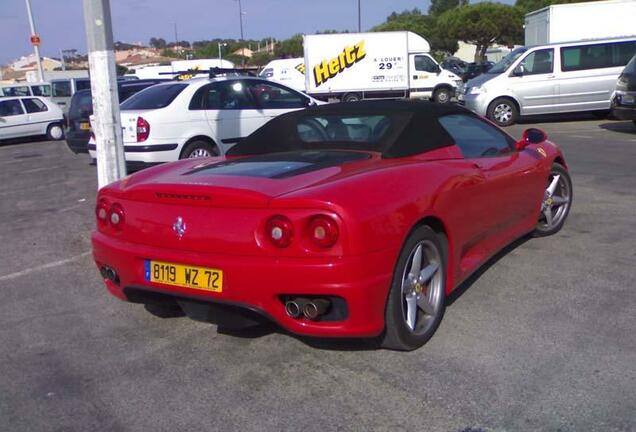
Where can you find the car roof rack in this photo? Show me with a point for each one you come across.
(213, 72)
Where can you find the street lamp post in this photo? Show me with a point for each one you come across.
(36, 46)
(220, 57)
(242, 37)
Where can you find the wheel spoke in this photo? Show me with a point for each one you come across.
(553, 185)
(424, 304)
(411, 310)
(548, 216)
(416, 264)
(428, 272)
(557, 200)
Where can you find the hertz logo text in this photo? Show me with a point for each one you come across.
(328, 69)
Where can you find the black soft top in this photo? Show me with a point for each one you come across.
(414, 129)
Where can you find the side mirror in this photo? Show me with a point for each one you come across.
(438, 69)
(519, 71)
(531, 136)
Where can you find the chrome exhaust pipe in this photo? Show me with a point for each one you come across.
(314, 308)
(110, 274)
(294, 307)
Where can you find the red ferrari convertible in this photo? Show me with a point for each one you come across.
(342, 220)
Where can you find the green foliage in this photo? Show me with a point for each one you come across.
(260, 59)
(236, 59)
(158, 43)
(438, 7)
(290, 48)
(121, 70)
(423, 25)
(483, 24)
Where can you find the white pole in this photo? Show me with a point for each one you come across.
(111, 164)
(36, 47)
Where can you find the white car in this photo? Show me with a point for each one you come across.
(200, 117)
(30, 116)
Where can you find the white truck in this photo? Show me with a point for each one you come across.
(289, 72)
(580, 21)
(355, 66)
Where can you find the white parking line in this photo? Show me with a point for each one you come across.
(43, 267)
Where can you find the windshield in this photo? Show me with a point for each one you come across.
(154, 97)
(505, 62)
(630, 69)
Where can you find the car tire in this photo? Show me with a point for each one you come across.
(442, 95)
(406, 331)
(55, 132)
(198, 149)
(503, 111)
(351, 97)
(556, 204)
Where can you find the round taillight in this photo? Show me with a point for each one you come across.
(101, 212)
(279, 231)
(116, 216)
(323, 231)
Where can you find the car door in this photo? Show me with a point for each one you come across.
(534, 82)
(514, 182)
(423, 75)
(230, 111)
(61, 93)
(13, 119)
(273, 99)
(38, 115)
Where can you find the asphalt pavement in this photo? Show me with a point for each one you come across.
(544, 338)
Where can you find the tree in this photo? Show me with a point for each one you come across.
(260, 58)
(121, 70)
(438, 7)
(483, 24)
(424, 25)
(158, 43)
(290, 48)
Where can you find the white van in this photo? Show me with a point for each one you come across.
(26, 89)
(290, 72)
(556, 78)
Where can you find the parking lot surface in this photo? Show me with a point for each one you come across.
(543, 339)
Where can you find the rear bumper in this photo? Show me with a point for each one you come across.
(77, 141)
(257, 283)
(623, 105)
(146, 152)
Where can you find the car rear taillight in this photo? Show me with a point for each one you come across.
(279, 231)
(101, 212)
(323, 231)
(109, 214)
(116, 216)
(143, 129)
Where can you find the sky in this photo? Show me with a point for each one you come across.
(60, 23)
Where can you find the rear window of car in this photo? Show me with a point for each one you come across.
(34, 105)
(81, 105)
(328, 128)
(154, 97)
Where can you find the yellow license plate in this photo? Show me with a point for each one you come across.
(85, 126)
(202, 278)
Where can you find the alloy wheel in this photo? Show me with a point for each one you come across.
(556, 201)
(502, 113)
(422, 284)
(199, 153)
